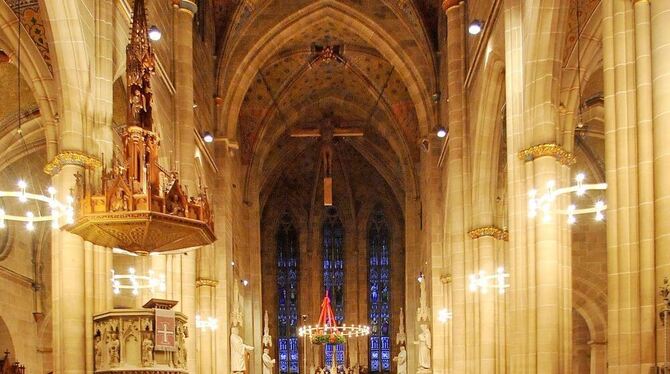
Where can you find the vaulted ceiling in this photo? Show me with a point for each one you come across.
(329, 67)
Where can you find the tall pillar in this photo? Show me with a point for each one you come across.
(184, 70)
(630, 194)
(539, 302)
(205, 293)
(458, 200)
(68, 290)
(660, 66)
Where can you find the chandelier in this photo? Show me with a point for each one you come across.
(56, 208)
(39, 202)
(133, 281)
(545, 203)
(482, 282)
(140, 206)
(326, 331)
(209, 323)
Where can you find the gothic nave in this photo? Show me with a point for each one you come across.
(334, 186)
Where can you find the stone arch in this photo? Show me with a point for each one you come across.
(273, 133)
(6, 341)
(584, 303)
(70, 53)
(269, 44)
(488, 140)
(591, 59)
(34, 71)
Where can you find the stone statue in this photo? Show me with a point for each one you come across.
(401, 360)
(401, 336)
(267, 339)
(425, 345)
(268, 362)
(147, 351)
(114, 349)
(98, 351)
(238, 350)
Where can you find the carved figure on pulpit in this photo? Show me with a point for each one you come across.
(268, 362)
(174, 206)
(147, 351)
(238, 351)
(98, 350)
(401, 360)
(425, 346)
(114, 349)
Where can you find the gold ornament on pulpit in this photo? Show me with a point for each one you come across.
(139, 205)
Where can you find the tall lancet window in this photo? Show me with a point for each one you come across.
(287, 286)
(333, 275)
(379, 283)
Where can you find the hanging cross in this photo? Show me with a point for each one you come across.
(327, 132)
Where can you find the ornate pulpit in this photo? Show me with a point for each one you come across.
(141, 341)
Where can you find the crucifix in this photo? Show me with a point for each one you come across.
(327, 133)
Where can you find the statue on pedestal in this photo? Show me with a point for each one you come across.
(268, 362)
(401, 360)
(238, 350)
(425, 345)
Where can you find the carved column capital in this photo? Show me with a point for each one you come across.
(71, 158)
(204, 282)
(446, 4)
(564, 157)
(186, 4)
(492, 231)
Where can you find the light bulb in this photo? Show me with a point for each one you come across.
(475, 27)
(207, 137)
(441, 132)
(155, 33)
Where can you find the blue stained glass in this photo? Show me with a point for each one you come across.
(287, 285)
(333, 276)
(379, 283)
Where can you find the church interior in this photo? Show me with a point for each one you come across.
(334, 186)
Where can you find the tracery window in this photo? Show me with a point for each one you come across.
(287, 287)
(333, 275)
(379, 292)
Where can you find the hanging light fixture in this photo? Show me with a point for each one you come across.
(133, 281)
(483, 282)
(39, 202)
(544, 203)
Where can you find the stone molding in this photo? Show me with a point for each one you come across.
(204, 282)
(492, 231)
(549, 149)
(71, 158)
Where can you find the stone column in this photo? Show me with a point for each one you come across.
(660, 66)
(458, 201)
(206, 293)
(598, 357)
(630, 194)
(184, 70)
(539, 302)
(68, 290)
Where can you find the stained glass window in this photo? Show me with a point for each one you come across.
(379, 283)
(333, 276)
(287, 286)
